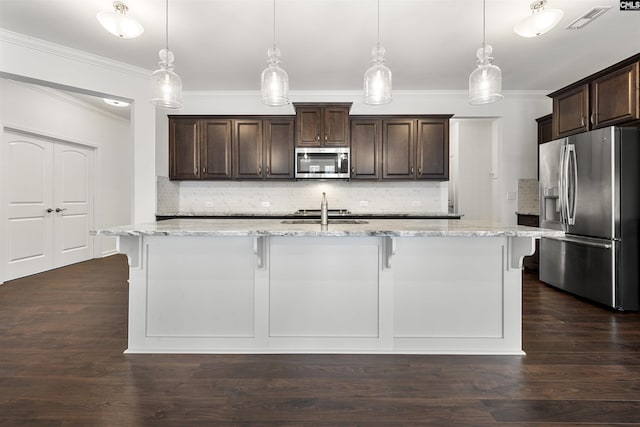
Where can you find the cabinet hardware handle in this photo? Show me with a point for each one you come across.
(195, 170)
(204, 169)
(411, 169)
(259, 170)
(582, 121)
(318, 138)
(60, 210)
(592, 119)
(353, 171)
(49, 210)
(419, 170)
(268, 172)
(326, 138)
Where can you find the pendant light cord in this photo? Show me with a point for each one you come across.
(166, 20)
(274, 25)
(484, 24)
(378, 23)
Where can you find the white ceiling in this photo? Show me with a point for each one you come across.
(326, 44)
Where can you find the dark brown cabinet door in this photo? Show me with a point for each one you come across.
(432, 149)
(615, 97)
(335, 129)
(365, 148)
(545, 128)
(278, 148)
(184, 149)
(309, 124)
(216, 149)
(398, 149)
(247, 149)
(571, 112)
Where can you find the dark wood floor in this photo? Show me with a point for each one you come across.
(62, 334)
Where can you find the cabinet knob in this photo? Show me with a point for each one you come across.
(419, 170)
(49, 210)
(268, 172)
(353, 171)
(326, 138)
(318, 138)
(204, 169)
(259, 170)
(411, 169)
(195, 170)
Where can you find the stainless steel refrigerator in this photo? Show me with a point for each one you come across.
(590, 188)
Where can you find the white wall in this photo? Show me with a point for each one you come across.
(53, 114)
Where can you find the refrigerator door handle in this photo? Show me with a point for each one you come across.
(572, 184)
(582, 242)
(562, 197)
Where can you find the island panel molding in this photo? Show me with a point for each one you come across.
(261, 286)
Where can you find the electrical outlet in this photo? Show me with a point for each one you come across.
(416, 203)
(364, 203)
(208, 204)
(266, 204)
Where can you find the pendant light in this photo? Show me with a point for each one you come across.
(274, 80)
(540, 21)
(165, 83)
(118, 23)
(377, 79)
(485, 82)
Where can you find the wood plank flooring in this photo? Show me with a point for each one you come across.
(62, 334)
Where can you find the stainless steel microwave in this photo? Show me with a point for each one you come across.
(323, 163)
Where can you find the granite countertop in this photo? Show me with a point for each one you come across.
(286, 215)
(279, 227)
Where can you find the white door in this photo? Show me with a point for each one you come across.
(47, 187)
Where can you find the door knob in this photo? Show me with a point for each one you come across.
(60, 210)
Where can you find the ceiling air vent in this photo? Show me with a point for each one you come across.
(587, 17)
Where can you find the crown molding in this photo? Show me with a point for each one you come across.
(61, 51)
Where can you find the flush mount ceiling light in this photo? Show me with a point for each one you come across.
(485, 82)
(540, 21)
(166, 85)
(118, 23)
(377, 79)
(274, 80)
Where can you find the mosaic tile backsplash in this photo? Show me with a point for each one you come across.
(267, 197)
(528, 200)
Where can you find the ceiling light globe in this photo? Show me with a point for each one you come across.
(118, 23)
(539, 22)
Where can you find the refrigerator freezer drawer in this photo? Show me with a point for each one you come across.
(584, 267)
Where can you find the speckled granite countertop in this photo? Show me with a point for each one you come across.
(358, 228)
(287, 215)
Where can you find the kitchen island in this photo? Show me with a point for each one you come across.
(354, 286)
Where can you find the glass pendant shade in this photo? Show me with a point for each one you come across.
(118, 23)
(275, 81)
(377, 80)
(485, 82)
(166, 85)
(539, 22)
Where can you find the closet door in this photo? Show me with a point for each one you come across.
(27, 183)
(49, 204)
(72, 204)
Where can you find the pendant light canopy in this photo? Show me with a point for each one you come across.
(118, 23)
(274, 80)
(166, 85)
(377, 79)
(540, 21)
(485, 82)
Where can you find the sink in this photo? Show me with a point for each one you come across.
(331, 221)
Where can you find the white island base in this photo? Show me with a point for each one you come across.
(325, 294)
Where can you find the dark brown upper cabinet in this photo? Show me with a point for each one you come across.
(366, 148)
(615, 97)
(199, 148)
(278, 148)
(416, 148)
(322, 125)
(608, 97)
(205, 148)
(545, 128)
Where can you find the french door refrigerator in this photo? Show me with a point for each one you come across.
(590, 188)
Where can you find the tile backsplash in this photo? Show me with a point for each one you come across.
(528, 200)
(272, 197)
